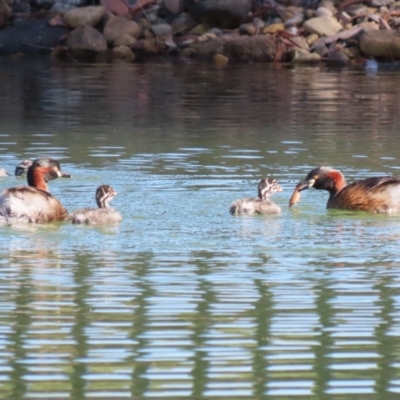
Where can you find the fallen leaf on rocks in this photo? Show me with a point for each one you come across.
(58, 20)
(384, 25)
(169, 42)
(140, 5)
(347, 3)
(117, 7)
(344, 35)
(280, 50)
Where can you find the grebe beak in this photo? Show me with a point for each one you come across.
(62, 174)
(306, 184)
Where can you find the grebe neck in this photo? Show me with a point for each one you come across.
(36, 179)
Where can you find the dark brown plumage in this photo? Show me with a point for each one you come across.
(375, 195)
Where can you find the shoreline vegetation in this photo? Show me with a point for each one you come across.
(220, 31)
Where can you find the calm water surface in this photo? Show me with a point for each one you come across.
(181, 300)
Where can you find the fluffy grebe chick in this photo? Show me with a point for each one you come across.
(98, 216)
(260, 205)
(375, 195)
(34, 203)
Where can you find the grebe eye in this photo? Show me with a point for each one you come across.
(315, 177)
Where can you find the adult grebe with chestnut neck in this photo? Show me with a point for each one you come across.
(34, 203)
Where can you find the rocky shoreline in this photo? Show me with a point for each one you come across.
(222, 31)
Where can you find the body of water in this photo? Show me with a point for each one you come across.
(182, 300)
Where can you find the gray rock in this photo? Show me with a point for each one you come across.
(296, 20)
(321, 50)
(301, 56)
(161, 30)
(183, 23)
(300, 41)
(310, 14)
(247, 29)
(292, 30)
(115, 27)
(337, 57)
(61, 7)
(322, 11)
(329, 4)
(356, 10)
(72, 3)
(76, 3)
(217, 32)
(396, 21)
(42, 3)
(85, 42)
(380, 3)
(369, 26)
(32, 36)
(81, 16)
(124, 40)
(122, 53)
(290, 12)
(219, 13)
(21, 7)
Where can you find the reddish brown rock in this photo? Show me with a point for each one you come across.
(117, 7)
(381, 44)
(174, 6)
(257, 48)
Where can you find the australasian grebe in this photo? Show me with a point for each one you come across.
(24, 166)
(260, 205)
(375, 195)
(98, 216)
(34, 203)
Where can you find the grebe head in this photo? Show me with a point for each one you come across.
(23, 167)
(43, 170)
(325, 178)
(104, 194)
(268, 186)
